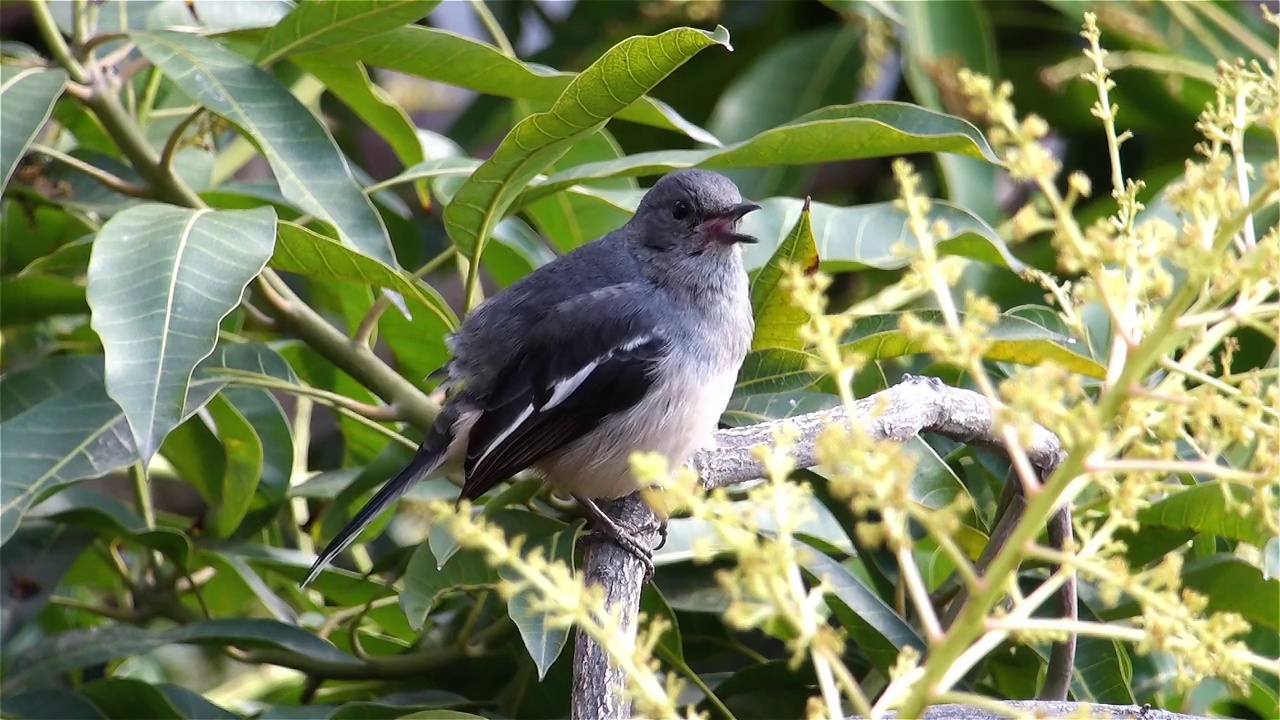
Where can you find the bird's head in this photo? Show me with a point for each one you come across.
(691, 214)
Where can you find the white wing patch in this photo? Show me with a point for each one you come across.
(506, 433)
(561, 390)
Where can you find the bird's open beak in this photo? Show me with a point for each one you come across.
(724, 227)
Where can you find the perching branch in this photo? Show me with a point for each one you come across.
(914, 406)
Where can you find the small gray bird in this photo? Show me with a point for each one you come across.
(629, 343)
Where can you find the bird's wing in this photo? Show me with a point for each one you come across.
(589, 358)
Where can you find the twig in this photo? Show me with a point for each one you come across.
(175, 139)
(56, 44)
(108, 179)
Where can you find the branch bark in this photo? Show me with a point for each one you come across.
(914, 406)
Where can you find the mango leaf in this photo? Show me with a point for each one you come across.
(453, 59)
(307, 163)
(112, 520)
(620, 77)
(205, 16)
(543, 640)
(777, 318)
(161, 279)
(940, 39)
(775, 370)
(230, 500)
(842, 132)
(83, 648)
(67, 428)
(29, 298)
(1011, 339)
(568, 220)
(27, 97)
(1205, 509)
(309, 253)
(349, 81)
(35, 561)
(800, 74)
(328, 26)
(51, 704)
(873, 625)
(1230, 584)
(853, 238)
(746, 410)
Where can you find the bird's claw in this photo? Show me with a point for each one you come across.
(604, 527)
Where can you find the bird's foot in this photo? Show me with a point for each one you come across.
(604, 527)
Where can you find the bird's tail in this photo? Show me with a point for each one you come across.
(432, 454)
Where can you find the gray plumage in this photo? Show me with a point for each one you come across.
(630, 342)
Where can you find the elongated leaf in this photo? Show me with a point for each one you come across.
(30, 298)
(231, 500)
(775, 370)
(112, 520)
(68, 429)
(161, 279)
(83, 648)
(746, 410)
(804, 72)
(36, 560)
(568, 220)
(453, 59)
(330, 25)
(1011, 339)
(1205, 509)
(543, 640)
(350, 82)
(620, 77)
(307, 163)
(874, 626)
(27, 96)
(51, 704)
(940, 39)
(309, 253)
(778, 319)
(843, 132)
(852, 238)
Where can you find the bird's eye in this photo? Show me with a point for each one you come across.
(680, 210)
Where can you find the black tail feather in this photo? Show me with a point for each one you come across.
(428, 458)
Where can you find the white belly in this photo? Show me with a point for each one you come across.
(675, 419)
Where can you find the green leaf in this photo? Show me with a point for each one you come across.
(802, 73)
(1205, 508)
(941, 38)
(30, 298)
(68, 428)
(620, 77)
(83, 648)
(1230, 584)
(453, 59)
(34, 562)
(853, 238)
(209, 16)
(746, 410)
(843, 132)
(307, 163)
(543, 640)
(229, 502)
(161, 279)
(425, 581)
(1011, 339)
(568, 220)
(349, 81)
(27, 96)
(112, 520)
(51, 705)
(441, 714)
(873, 625)
(273, 428)
(309, 253)
(330, 25)
(777, 318)
(775, 370)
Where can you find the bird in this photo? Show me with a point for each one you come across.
(630, 342)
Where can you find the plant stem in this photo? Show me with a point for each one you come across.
(110, 180)
(175, 139)
(353, 358)
(80, 20)
(492, 25)
(364, 332)
(54, 40)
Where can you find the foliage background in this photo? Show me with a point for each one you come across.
(177, 591)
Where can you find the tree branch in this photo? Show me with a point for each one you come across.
(914, 406)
